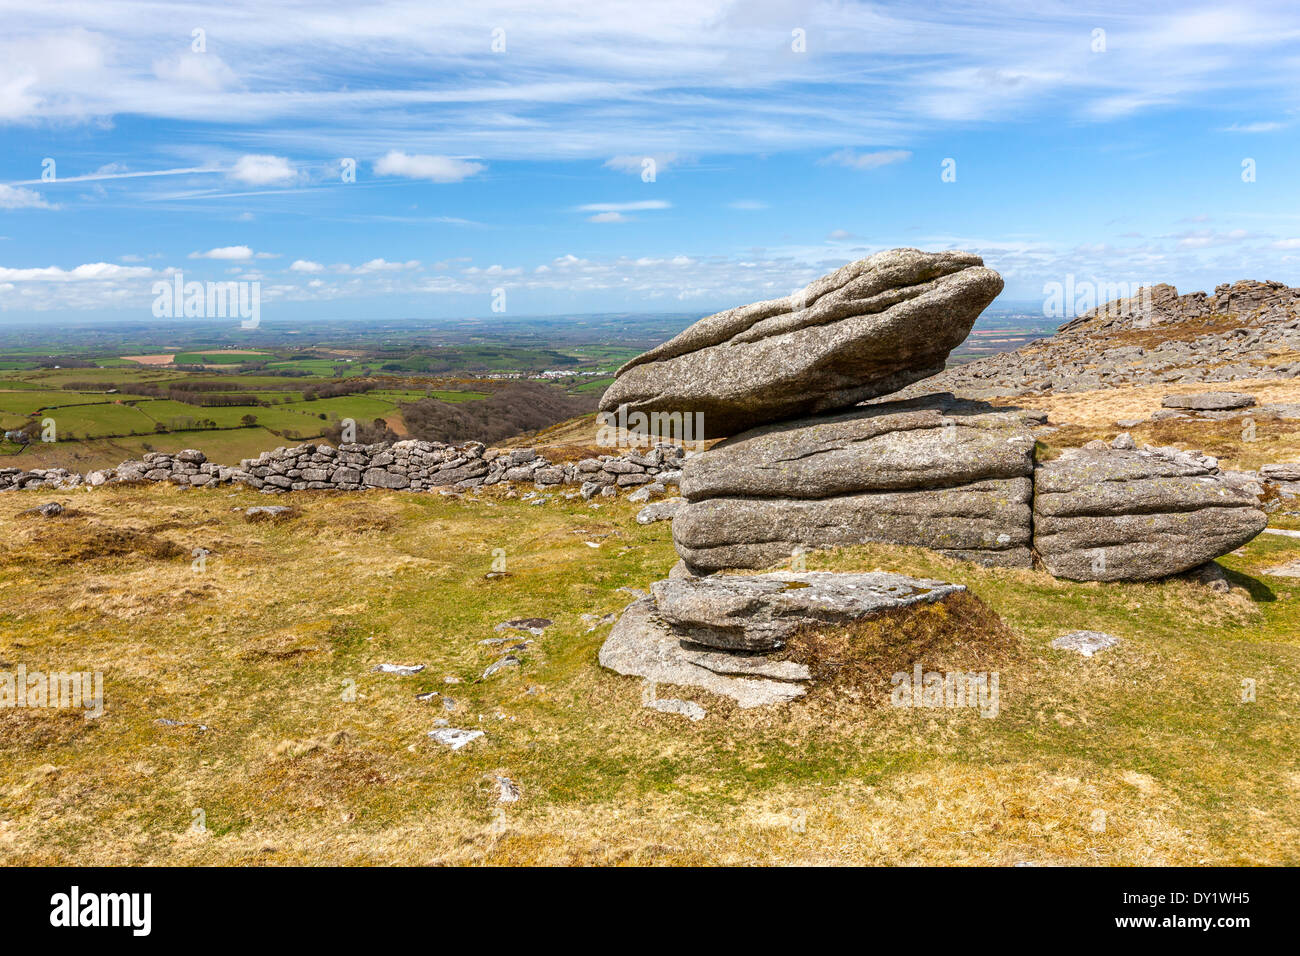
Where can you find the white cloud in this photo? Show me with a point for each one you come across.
(91, 271)
(16, 197)
(205, 71)
(884, 157)
(638, 206)
(225, 252)
(609, 217)
(262, 170)
(747, 205)
(839, 235)
(436, 169)
(306, 265)
(1261, 126)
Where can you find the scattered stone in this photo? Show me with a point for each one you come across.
(51, 509)
(269, 512)
(453, 737)
(1086, 643)
(426, 696)
(507, 790)
(507, 661)
(533, 625)
(664, 510)
(671, 705)
(406, 670)
(1123, 442)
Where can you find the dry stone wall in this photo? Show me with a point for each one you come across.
(405, 466)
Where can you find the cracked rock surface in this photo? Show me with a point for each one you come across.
(867, 329)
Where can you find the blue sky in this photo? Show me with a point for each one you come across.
(787, 139)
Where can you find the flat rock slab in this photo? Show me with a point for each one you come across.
(984, 521)
(1119, 515)
(1281, 471)
(865, 330)
(643, 645)
(1086, 643)
(934, 441)
(1290, 569)
(760, 612)
(1209, 401)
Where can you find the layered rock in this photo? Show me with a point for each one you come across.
(948, 475)
(718, 633)
(867, 329)
(1128, 515)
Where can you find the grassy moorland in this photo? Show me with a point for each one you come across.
(292, 750)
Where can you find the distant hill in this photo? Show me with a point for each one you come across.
(1245, 330)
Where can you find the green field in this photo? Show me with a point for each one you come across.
(220, 358)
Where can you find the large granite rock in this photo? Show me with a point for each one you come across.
(760, 612)
(948, 475)
(716, 633)
(1117, 515)
(985, 521)
(865, 330)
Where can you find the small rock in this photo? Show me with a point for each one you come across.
(405, 670)
(1086, 643)
(671, 705)
(454, 737)
(660, 511)
(51, 509)
(533, 625)
(268, 512)
(1124, 442)
(507, 661)
(507, 790)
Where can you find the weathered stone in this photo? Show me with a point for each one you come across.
(985, 521)
(865, 330)
(1086, 643)
(642, 645)
(1281, 471)
(1117, 515)
(760, 612)
(379, 478)
(1209, 401)
(930, 442)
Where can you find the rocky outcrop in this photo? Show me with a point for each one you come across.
(718, 633)
(1245, 330)
(865, 330)
(1118, 515)
(948, 475)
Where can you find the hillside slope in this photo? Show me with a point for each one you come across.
(1246, 330)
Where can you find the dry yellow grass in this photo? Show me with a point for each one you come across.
(289, 748)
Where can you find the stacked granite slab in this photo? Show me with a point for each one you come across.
(803, 466)
(723, 633)
(952, 476)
